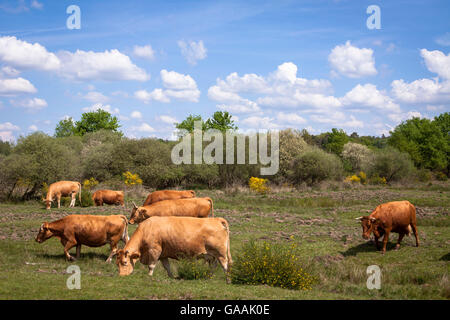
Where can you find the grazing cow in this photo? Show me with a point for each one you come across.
(168, 195)
(109, 197)
(63, 189)
(396, 216)
(195, 207)
(161, 238)
(92, 231)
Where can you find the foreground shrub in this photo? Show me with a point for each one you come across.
(258, 185)
(316, 165)
(86, 199)
(273, 265)
(194, 269)
(392, 164)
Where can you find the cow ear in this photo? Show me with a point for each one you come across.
(373, 220)
(125, 253)
(144, 211)
(135, 255)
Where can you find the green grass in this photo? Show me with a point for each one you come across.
(328, 244)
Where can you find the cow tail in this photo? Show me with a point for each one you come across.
(230, 261)
(212, 207)
(125, 237)
(79, 195)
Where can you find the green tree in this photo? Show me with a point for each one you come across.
(187, 125)
(336, 141)
(424, 141)
(5, 147)
(221, 120)
(96, 120)
(65, 128)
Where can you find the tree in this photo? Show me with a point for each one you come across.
(424, 141)
(65, 128)
(187, 125)
(336, 141)
(5, 147)
(357, 155)
(221, 120)
(96, 120)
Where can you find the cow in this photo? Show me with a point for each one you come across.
(63, 189)
(92, 231)
(161, 238)
(195, 207)
(396, 216)
(109, 197)
(161, 195)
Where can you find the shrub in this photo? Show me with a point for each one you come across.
(353, 179)
(258, 185)
(194, 269)
(316, 165)
(89, 183)
(424, 175)
(441, 176)
(86, 199)
(131, 179)
(357, 155)
(392, 164)
(273, 265)
(292, 145)
(377, 180)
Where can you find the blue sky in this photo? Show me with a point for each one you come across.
(272, 64)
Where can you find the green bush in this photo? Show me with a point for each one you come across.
(392, 165)
(441, 176)
(316, 165)
(194, 269)
(269, 264)
(86, 199)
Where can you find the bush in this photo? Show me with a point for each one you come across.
(440, 176)
(194, 269)
(377, 180)
(258, 185)
(357, 155)
(316, 165)
(273, 265)
(86, 199)
(392, 164)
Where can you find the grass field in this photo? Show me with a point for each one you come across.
(322, 224)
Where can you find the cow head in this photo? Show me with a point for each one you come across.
(137, 214)
(369, 225)
(48, 203)
(126, 261)
(44, 233)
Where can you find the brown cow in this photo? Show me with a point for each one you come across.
(161, 195)
(109, 197)
(195, 207)
(161, 238)
(92, 231)
(396, 216)
(63, 189)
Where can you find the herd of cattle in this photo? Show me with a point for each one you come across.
(175, 223)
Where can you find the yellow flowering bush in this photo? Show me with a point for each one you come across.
(258, 185)
(269, 264)
(363, 177)
(354, 179)
(90, 183)
(376, 179)
(131, 179)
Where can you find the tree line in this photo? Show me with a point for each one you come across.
(94, 147)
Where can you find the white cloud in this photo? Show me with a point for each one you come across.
(33, 128)
(143, 127)
(421, 91)
(258, 122)
(30, 104)
(290, 118)
(36, 4)
(24, 55)
(177, 81)
(192, 51)
(443, 40)
(95, 96)
(353, 123)
(368, 95)
(397, 118)
(437, 62)
(145, 52)
(10, 87)
(156, 94)
(352, 61)
(136, 115)
(100, 106)
(167, 119)
(109, 65)
(8, 126)
(7, 136)
(8, 71)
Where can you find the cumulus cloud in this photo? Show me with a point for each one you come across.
(397, 118)
(7, 71)
(33, 128)
(192, 51)
(24, 55)
(437, 62)
(143, 127)
(36, 4)
(421, 91)
(95, 96)
(8, 126)
(177, 86)
(167, 119)
(145, 52)
(31, 104)
(11, 87)
(7, 136)
(352, 61)
(136, 115)
(100, 106)
(368, 95)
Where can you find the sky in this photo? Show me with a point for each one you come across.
(272, 64)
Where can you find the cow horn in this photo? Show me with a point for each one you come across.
(134, 204)
(373, 219)
(359, 218)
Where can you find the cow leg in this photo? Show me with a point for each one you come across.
(113, 251)
(400, 238)
(72, 203)
(78, 251)
(165, 262)
(385, 240)
(67, 246)
(416, 233)
(59, 201)
(224, 263)
(151, 267)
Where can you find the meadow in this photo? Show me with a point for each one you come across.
(320, 222)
